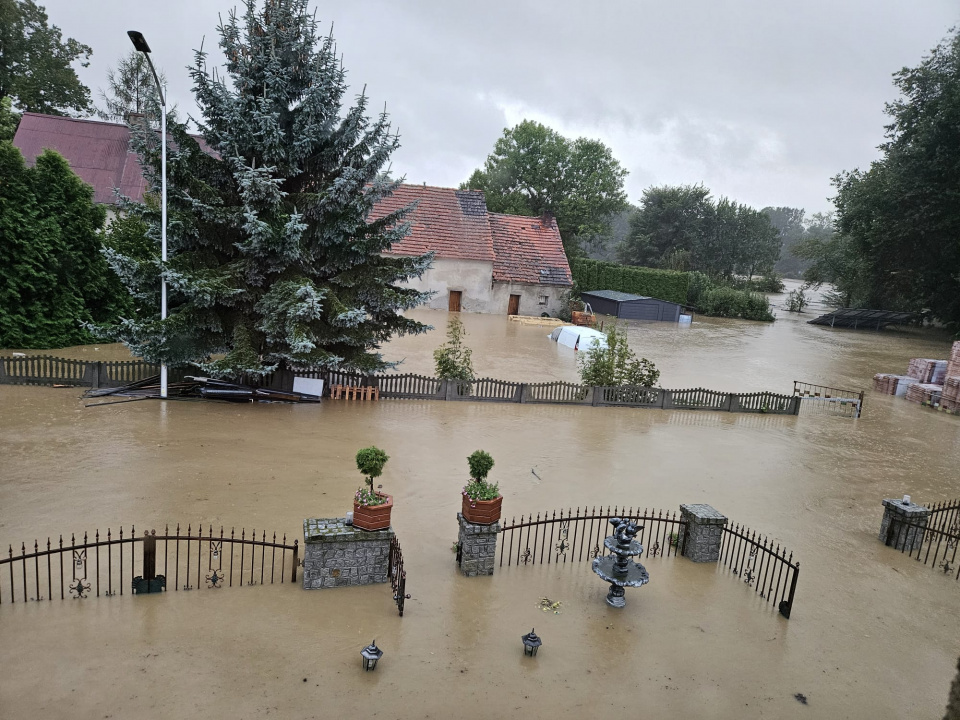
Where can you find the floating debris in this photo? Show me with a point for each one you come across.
(547, 605)
(201, 388)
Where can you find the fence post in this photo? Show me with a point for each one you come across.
(596, 395)
(667, 403)
(733, 402)
(796, 406)
(704, 532)
(449, 389)
(296, 560)
(893, 530)
(3, 371)
(524, 392)
(476, 547)
(103, 377)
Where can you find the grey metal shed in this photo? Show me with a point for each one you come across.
(631, 307)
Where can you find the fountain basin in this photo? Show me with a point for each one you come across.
(635, 576)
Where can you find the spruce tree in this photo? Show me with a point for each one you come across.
(273, 259)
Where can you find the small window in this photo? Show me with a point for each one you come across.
(544, 299)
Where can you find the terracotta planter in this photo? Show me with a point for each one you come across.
(373, 517)
(486, 512)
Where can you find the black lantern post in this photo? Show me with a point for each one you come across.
(531, 643)
(371, 654)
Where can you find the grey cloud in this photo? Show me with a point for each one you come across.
(760, 101)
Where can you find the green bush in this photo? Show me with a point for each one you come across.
(370, 462)
(478, 488)
(670, 285)
(729, 303)
(481, 463)
(616, 364)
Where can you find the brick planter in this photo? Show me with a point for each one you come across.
(373, 517)
(486, 512)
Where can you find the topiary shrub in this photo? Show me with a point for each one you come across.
(370, 462)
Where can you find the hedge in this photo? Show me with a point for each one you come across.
(670, 285)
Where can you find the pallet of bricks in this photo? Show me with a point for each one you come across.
(929, 375)
(950, 397)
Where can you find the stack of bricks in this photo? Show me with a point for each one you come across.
(886, 383)
(950, 400)
(924, 393)
(926, 370)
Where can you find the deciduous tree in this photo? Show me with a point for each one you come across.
(36, 63)
(131, 88)
(534, 169)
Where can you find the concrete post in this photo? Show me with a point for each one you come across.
(894, 533)
(336, 554)
(704, 532)
(476, 547)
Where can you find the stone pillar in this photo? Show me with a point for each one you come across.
(476, 547)
(897, 535)
(704, 532)
(337, 555)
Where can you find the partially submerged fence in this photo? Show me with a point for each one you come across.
(577, 535)
(46, 370)
(107, 564)
(397, 575)
(766, 568)
(836, 401)
(935, 548)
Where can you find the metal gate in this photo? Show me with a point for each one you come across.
(829, 400)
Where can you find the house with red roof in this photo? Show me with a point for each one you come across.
(483, 262)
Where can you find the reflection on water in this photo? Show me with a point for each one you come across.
(692, 639)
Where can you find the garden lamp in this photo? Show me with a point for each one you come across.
(531, 643)
(371, 654)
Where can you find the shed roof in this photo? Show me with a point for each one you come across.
(616, 295)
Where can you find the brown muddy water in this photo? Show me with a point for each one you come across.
(873, 634)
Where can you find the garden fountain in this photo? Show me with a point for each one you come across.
(617, 569)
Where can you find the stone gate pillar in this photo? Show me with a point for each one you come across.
(336, 554)
(476, 547)
(704, 532)
(893, 531)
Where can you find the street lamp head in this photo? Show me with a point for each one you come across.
(139, 42)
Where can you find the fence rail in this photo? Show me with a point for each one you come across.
(766, 568)
(577, 535)
(46, 370)
(104, 564)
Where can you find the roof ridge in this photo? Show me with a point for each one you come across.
(92, 121)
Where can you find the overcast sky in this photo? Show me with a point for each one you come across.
(760, 101)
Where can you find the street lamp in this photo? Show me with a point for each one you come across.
(140, 43)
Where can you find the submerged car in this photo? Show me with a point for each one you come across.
(579, 338)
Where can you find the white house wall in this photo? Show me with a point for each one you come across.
(479, 294)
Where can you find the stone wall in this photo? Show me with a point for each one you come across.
(477, 547)
(337, 555)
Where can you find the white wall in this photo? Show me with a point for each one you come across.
(473, 278)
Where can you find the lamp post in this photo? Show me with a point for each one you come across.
(140, 43)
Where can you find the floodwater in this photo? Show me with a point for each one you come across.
(873, 634)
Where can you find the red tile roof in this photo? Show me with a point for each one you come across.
(451, 223)
(528, 250)
(455, 224)
(97, 151)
